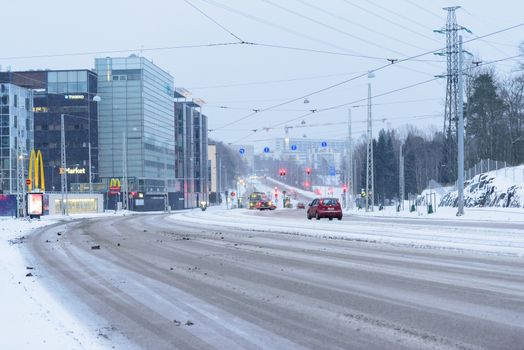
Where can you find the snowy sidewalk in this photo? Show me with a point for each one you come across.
(32, 318)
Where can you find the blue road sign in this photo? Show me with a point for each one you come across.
(266, 149)
(324, 144)
(293, 147)
(332, 171)
(242, 151)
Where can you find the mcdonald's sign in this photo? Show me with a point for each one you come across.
(114, 186)
(36, 178)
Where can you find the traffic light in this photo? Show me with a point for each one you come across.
(282, 172)
(344, 188)
(308, 171)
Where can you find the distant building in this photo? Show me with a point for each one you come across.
(212, 164)
(191, 149)
(71, 93)
(16, 135)
(136, 127)
(307, 151)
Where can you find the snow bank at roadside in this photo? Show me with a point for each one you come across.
(500, 188)
(31, 317)
(420, 234)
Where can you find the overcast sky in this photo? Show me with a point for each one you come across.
(360, 35)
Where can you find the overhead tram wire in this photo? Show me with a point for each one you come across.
(334, 107)
(278, 26)
(214, 21)
(357, 77)
(357, 130)
(381, 94)
(386, 93)
(305, 110)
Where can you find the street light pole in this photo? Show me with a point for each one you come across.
(460, 132)
(349, 189)
(124, 172)
(63, 176)
(166, 195)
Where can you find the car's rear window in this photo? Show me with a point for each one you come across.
(330, 201)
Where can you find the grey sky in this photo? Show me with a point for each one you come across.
(387, 29)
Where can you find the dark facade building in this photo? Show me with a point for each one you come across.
(72, 93)
(191, 143)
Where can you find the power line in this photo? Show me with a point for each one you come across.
(389, 11)
(359, 24)
(214, 21)
(332, 27)
(424, 9)
(389, 21)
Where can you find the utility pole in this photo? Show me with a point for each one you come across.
(219, 188)
(63, 165)
(460, 134)
(166, 195)
(90, 170)
(349, 190)
(370, 191)
(20, 184)
(401, 186)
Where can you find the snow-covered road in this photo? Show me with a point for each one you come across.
(244, 279)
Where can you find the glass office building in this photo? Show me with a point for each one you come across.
(71, 93)
(16, 135)
(136, 129)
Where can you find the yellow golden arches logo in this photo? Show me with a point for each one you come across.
(114, 183)
(38, 181)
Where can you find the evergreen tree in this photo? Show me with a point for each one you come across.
(485, 124)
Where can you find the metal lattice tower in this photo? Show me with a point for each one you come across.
(370, 190)
(451, 109)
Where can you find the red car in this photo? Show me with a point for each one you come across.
(324, 208)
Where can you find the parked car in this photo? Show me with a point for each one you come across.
(265, 205)
(324, 208)
(300, 205)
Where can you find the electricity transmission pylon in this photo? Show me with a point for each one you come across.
(452, 105)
